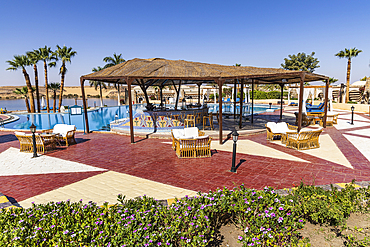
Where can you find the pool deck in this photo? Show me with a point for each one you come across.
(101, 166)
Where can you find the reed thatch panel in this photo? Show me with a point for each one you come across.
(158, 68)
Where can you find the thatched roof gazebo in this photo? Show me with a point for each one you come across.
(161, 72)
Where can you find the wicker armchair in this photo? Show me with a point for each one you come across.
(63, 132)
(306, 120)
(193, 148)
(279, 130)
(304, 140)
(180, 133)
(44, 143)
(191, 143)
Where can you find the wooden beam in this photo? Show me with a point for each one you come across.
(219, 82)
(177, 96)
(300, 102)
(130, 110)
(235, 98)
(326, 102)
(241, 103)
(84, 104)
(199, 84)
(252, 101)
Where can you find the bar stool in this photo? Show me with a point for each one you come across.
(198, 117)
(210, 119)
(189, 119)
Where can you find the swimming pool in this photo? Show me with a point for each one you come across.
(100, 119)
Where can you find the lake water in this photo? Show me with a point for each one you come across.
(20, 104)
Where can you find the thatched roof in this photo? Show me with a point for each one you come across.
(160, 70)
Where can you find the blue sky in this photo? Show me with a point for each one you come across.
(253, 33)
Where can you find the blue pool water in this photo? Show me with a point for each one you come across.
(100, 119)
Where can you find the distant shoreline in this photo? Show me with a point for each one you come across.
(6, 92)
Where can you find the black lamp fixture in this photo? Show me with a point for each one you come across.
(33, 131)
(352, 109)
(235, 135)
(116, 118)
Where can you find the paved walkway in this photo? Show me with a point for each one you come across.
(101, 166)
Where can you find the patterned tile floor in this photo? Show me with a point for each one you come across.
(153, 159)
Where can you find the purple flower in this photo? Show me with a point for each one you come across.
(280, 219)
(159, 243)
(281, 208)
(240, 238)
(300, 220)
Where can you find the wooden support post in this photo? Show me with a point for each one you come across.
(235, 98)
(241, 103)
(281, 101)
(300, 103)
(128, 81)
(84, 104)
(220, 109)
(161, 96)
(252, 101)
(326, 102)
(178, 94)
(199, 84)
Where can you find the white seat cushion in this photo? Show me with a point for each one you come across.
(62, 129)
(19, 133)
(281, 128)
(178, 133)
(202, 137)
(271, 125)
(192, 131)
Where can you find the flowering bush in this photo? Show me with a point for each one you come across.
(330, 207)
(266, 219)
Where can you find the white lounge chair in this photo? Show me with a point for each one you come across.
(64, 132)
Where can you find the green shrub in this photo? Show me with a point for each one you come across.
(259, 95)
(273, 95)
(328, 207)
(266, 219)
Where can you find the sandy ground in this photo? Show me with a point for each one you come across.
(7, 91)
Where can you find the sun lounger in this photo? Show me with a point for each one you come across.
(63, 132)
(319, 106)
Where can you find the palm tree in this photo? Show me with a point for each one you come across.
(349, 54)
(34, 57)
(65, 54)
(111, 61)
(23, 91)
(331, 80)
(97, 84)
(21, 61)
(54, 87)
(47, 55)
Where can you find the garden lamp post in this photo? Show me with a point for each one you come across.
(183, 103)
(352, 109)
(270, 104)
(235, 139)
(33, 130)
